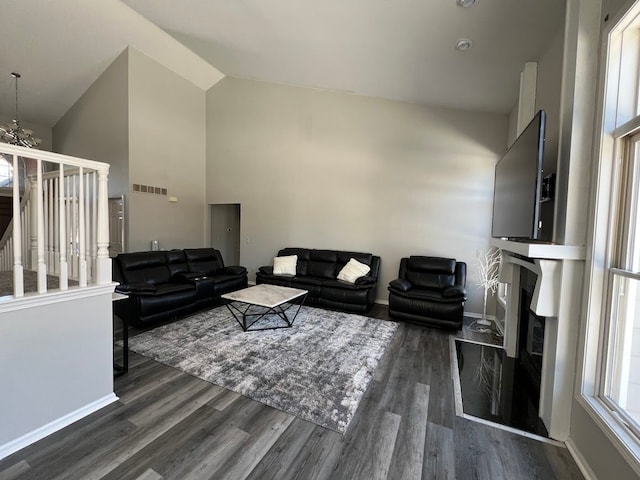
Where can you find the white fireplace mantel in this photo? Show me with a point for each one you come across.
(549, 251)
(544, 260)
(557, 269)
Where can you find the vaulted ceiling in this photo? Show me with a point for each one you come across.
(401, 50)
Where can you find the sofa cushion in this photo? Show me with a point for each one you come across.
(177, 262)
(430, 272)
(144, 267)
(353, 270)
(322, 263)
(303, 258)
(344, 257)
(207, 261)
(285, 265)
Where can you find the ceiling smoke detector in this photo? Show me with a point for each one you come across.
(463, 44)
(466, 3)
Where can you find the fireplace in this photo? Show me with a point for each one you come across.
(530, 336)
(552, 311)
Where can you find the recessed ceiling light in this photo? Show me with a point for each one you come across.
(466, 3)
(463, 44)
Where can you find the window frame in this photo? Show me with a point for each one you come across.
(616, 121)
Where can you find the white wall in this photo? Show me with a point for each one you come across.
(329, 170)
(56, 360)
(166, 149)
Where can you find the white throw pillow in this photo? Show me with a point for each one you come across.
(353, 270)
(285, 265)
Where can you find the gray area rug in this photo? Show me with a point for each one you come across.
(317, 370)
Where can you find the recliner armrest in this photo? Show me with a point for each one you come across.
(400, 284)
(136, 288)
(452, 292)
(186, 276)
(235, 270)
(365, 280)
(268, 270)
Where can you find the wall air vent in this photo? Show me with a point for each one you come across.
(138, 188)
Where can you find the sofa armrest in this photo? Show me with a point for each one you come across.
(400, 284)
(136, 289)
(186, 276)
(268, 270)
(453, 292)
(365, 280)
(235, 270)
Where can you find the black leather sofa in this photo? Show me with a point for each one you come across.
(161, 285)
(316, 272)
(429, 291)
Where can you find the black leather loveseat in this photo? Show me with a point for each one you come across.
(316, 272)
(165, 284)
(429, 291)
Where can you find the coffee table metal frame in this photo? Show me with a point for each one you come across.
(241, 311)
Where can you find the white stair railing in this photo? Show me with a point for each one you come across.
(62, 228)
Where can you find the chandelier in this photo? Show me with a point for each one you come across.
(13, 133)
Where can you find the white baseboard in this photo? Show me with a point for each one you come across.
(584, 467)
(39, 433)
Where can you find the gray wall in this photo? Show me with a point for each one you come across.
(148, 123)
(548, 88)
(55, 362)
(166, 149)
(329, 170)
(96, 126)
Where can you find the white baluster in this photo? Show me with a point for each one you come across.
(26, 225)
(33, 226)
(45, 218)
(82, 262)
(87, 224)
(62, 229)
(56, 225)
(50, 209)
(94, 225)
(16, 239)
(42, 266)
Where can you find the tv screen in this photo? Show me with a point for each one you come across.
(518, 181)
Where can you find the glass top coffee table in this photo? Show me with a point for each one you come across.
(265, 307)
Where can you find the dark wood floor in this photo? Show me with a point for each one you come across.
(169, 425)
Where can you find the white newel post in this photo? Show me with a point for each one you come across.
(18, 279)
(103, 261)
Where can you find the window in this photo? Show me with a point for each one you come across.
(6, 172)
(620, 382)
(611, 369)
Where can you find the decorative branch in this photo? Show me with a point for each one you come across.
(486, 276)
(488, 264)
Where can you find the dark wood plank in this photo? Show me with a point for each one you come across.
(169, 425)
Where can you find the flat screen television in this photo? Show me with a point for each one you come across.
(518, 185)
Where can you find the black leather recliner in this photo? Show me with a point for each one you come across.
(162, 285)
(316, 272)
(429, 291)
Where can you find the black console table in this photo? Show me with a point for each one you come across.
(124, 368)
